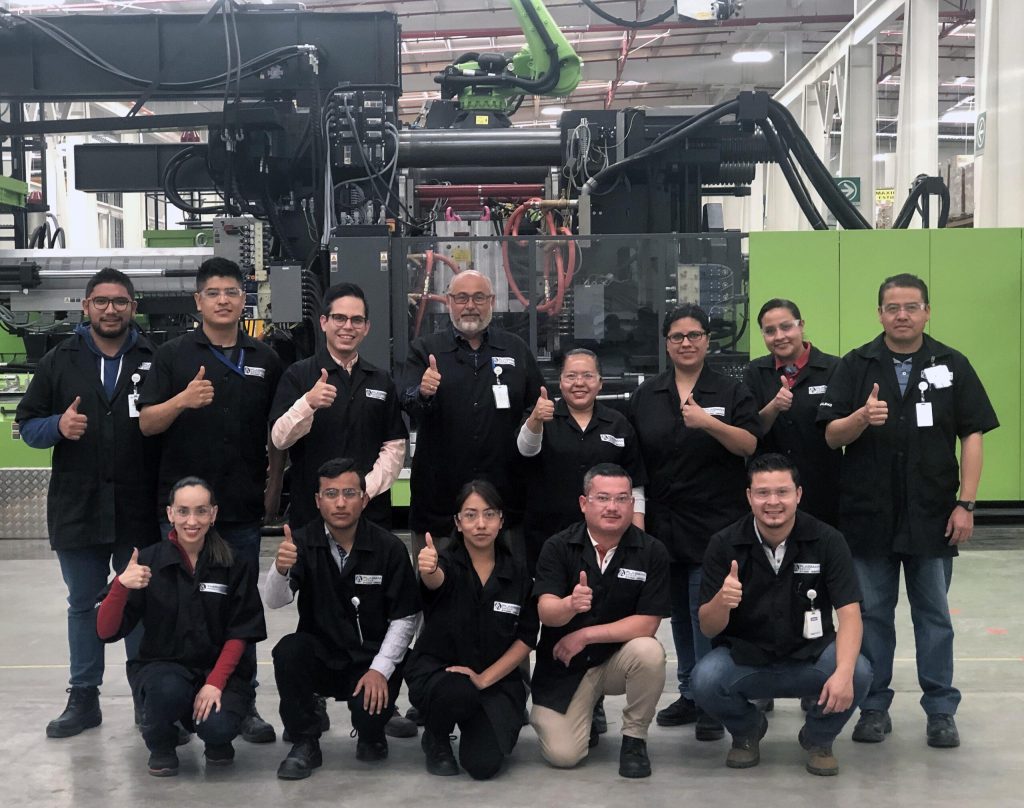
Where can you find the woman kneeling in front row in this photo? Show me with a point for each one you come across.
(199, 608)
(480, 622)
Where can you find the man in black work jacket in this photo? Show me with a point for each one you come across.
(81, 402)
(899, 404)
(603, 589)
(770, 583)
(467, 388)
(358, 604)
(209, 395)
(336, 404)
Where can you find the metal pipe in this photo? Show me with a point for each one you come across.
(514, 190)
(431, 148)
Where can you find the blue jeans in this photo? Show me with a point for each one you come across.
(725, 690)
(927, 582)
(86, 571)
(691, 645)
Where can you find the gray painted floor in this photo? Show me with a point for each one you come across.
(106, 766)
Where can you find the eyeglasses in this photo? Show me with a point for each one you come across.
(341, 319)
(462, 298)
(767, 493)
(200, 512)
(572, 377)
(489, 515)
(348, 494)
(607, 499)
(119, 303)
(231, 292)
(781, 328)
(692, 336)
(895, 308)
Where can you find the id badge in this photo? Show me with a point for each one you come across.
(924, 414)
(501, 396)
(133, 405)
(812, 624)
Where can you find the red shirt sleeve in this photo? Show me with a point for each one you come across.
(226, 663)
(111, 611)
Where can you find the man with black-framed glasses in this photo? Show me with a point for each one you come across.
(82, 403)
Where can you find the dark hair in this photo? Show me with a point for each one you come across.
(343, 290)
(582, 352)
(904, 281)
(491, 497)
(604, 470)
(218, 268)
(219, 550)
(691, 310)
(338, 466)
(110, 275)
(778, 303)
(772, 461)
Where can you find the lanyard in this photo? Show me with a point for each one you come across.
(239, 368)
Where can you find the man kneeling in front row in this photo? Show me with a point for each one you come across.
(770, 583)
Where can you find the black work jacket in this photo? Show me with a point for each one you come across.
(188, 617)
(225, 442)
(377, 571)
(695, 485)
(365, 415)
(899, 481)
(796, 432)
(102, 486)
(636, 582)
(466, 623)
(460, 434)
(768, 624)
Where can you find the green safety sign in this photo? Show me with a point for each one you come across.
(850, 188)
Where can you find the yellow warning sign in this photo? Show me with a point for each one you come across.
(885, 196)
(482, 120)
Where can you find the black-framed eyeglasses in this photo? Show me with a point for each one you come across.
(119, 303)
(358, 321)
(692, 336)
(462, 298)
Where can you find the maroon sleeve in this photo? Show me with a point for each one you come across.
(111, 611)
(226, 663)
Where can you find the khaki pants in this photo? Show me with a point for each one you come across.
(637, 669)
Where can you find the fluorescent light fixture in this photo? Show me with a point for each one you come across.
(752, 57)
(880, 158)
(552, 111)
(966, 116)
(961, 79)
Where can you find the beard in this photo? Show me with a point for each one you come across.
(472, 327)
(110, 330)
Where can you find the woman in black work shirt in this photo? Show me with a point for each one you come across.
(562, 441)
(788, 385)
(199, 606)
(480, 622)
(696, 429)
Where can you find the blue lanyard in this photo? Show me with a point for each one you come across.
(239, 368)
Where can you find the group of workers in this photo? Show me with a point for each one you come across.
(745, 511)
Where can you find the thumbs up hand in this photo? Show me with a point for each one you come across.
(426, 561)
(694, 415)
(784, 398)
(431, 379)
(731, 592)
(135, 575)
(199, 392)
(322, 394)
(543, 411)
(876, 411)
(287, 553)
(582, 597)
(72, 423)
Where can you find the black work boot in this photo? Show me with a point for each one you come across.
(304, 756)
(440, 758)
(82, 712)
(320, 708)
(255, 729)
(633, 760)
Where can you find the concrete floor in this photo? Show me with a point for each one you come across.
(107, 765)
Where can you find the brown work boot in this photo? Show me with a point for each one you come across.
(746, 752)
(820, 760)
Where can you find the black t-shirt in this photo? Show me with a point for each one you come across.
(225, 442)
(768, 624)
(636, 582)
(365, 415)
(695, 485)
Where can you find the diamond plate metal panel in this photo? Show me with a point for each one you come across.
(23, 503)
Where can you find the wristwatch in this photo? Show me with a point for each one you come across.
(967, 506)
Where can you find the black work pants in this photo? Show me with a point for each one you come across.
(168, 691)
(455, 700)
(301, 675)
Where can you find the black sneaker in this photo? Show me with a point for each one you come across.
(302, 759)
(320, 708)
(707, 728)
(598, 720)
(942, 731)
(681, 711)
(219, 754)
(371, 750)
(81, 713)
(438, 751)
(163, 764)
(255, 729)
(633, 760)
(872, 726)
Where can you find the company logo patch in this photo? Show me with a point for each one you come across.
(817, 389)
(504, 360)
(614, 441)
(632, 575)
(145, 365)
(506, 608)
(380, 395)
(369, 580)
(259, 373)
(715, 411)
(217, 589)
(807, 569)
